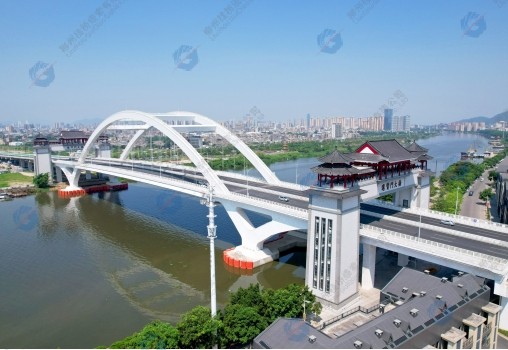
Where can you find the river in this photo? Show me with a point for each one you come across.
(84, 272)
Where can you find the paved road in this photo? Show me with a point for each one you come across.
(473, 206)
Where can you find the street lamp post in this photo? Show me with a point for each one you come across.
(457, 200)
(212, 234)
(304, 302)
(420, 226)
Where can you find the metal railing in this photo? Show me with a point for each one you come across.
(346, 314)
(423, 241)
(439, 214)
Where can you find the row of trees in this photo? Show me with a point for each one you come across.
(455, 181)
(248, 313)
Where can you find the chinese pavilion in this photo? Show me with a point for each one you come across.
(374, 158)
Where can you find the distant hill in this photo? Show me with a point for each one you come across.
(497, 118)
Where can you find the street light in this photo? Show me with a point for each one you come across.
(212, 234)
(457, 200)
(304, 302)
(420, 226)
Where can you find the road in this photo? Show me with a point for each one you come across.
(473, 206)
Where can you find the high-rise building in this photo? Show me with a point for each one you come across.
(336, 131)
(308, 121)
(388, 120)
(406, 123)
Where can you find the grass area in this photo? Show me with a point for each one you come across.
(10, 179)
(503, 332)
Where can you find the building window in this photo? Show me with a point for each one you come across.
(321, 283)
(327, 289)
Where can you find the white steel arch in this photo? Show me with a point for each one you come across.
(201, 121)
(152, 120)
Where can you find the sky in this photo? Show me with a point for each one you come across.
(437, 61)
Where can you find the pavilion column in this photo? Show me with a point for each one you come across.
(332, 179)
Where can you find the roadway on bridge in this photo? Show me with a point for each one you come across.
(259, 189)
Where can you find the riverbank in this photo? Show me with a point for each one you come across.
(15, 179)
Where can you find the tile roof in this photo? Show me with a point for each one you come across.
(391, 329)
(390, 149)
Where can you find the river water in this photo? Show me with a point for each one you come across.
(84, 272)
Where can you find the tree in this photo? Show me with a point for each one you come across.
(155, 335)
(198, 330)
(287, 302)
(486, 194)
(41, 180)
(250, 296)
(242, 324)
(493, 175)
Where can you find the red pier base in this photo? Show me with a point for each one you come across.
(64, 193)
(237, 263)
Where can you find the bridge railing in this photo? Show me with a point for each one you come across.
(495, 226)
(494, 263)
(279, 205)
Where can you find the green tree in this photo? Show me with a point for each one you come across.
(493, 175)
(287, 302)
(486, 194)
(250, 296)
(41, 180)
(242, 324)
(155, 335)
(198, 330)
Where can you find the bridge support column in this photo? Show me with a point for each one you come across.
(59, 177)
(402, 259)
(368, 266)
(501, 289)
(333, 244)
(42, 161)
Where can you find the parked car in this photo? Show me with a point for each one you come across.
(471, 193)
(448, 222)
(284, 199)
(481, 178)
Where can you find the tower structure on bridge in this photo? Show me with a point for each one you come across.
(333, 240)
(42, 159)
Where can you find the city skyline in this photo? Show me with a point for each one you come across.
(351, 58)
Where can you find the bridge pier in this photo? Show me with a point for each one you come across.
(251, 253)
(402, 259)
(368, 266)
